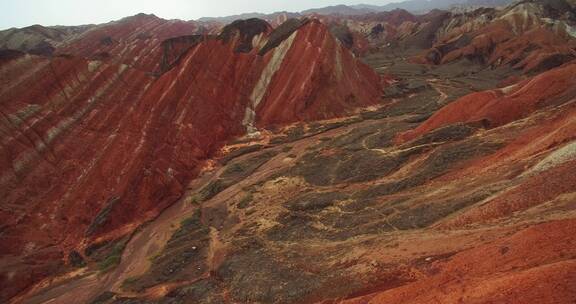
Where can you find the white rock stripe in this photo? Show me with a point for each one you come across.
(555, 159)
(265, 79)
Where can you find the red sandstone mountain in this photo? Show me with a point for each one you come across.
(155, 161)
(94, 148)
(533, 36)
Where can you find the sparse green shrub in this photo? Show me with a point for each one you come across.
(113, 259)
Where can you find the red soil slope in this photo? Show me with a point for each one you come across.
(498, 107)
(525, 261)
(74, 140)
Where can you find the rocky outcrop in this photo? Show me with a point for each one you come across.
(173, 49)
(244, 32)
(281, 33)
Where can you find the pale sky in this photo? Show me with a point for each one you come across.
(21, 13)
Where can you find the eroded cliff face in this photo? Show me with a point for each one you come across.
(94, 148)
(55, 113)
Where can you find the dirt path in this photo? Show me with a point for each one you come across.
(435, 84)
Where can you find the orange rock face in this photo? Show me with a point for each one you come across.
(92, 149)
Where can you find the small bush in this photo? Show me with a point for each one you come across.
(113, 259)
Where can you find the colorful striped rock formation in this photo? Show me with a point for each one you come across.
(94, 146)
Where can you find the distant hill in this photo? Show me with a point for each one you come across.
(414, 6)
(419, 6)
(341, 10)
(267, 17)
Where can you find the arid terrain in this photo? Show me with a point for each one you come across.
(385, 157)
